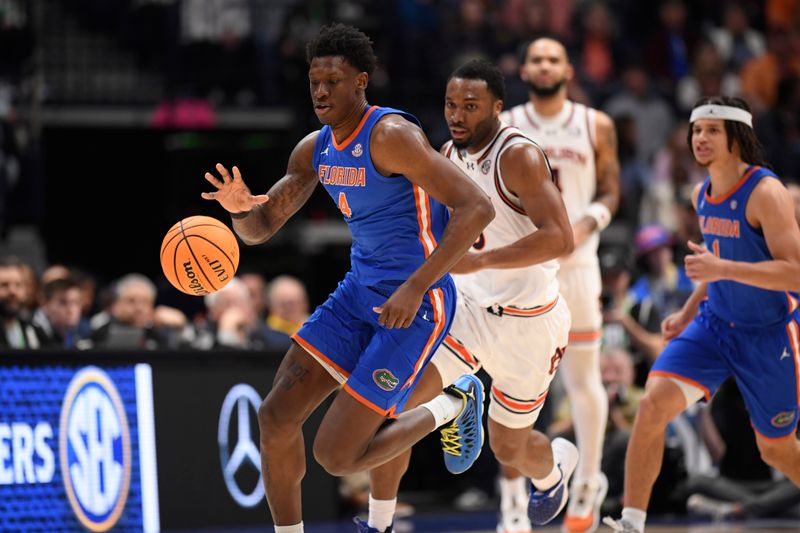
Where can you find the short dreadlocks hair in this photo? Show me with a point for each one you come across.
(338, 39)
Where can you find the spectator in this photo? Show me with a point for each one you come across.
(131, 321)
(779, 129)
(735, 40)
(616, 265)
(761, 75)
(59, 314)
(525, 19)
(663, 284)
(650, 111)
(52, 272)
(672, 44)
(288, 304)
(232, 322)
(708, 76)
(88, 286)
(617, 370)
(673, 176)
(598, 50)
(661, 288)
(634, 173)
(780, 14)
(30, 282)
(627, 326)
(257, 287)
(18, 332)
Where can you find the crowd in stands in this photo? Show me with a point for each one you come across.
(61, 308)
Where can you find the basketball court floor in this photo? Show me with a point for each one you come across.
(485, 522)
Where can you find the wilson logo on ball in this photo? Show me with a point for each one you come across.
(199, 255)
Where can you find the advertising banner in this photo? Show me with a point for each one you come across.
(77, 449)
(209, 465)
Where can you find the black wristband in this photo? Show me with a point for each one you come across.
(240, 215)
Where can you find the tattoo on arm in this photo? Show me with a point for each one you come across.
(289, 195)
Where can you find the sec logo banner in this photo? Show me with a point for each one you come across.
(95, 449)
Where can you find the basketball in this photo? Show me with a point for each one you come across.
(199, 255)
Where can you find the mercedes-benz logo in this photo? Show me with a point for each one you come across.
(242, 398)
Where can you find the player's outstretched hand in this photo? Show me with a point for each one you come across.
(232, 192)
(401, 307)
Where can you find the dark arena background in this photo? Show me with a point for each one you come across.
(111, 111)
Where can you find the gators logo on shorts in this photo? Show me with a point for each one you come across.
(781, 420)
(385, 379)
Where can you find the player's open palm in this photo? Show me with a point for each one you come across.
(232, 192)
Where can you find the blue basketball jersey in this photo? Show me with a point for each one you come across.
(395, 224)
(729, 235)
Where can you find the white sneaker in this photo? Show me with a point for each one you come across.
(514, 520)
(716, 509)
(585, 499)
(620, 526)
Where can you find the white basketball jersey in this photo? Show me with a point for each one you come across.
(568, 139)
(526, 287)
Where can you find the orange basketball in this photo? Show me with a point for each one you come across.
(199, 255)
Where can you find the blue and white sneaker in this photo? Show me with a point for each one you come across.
(462, 439)
(544, 506)
(363, 527)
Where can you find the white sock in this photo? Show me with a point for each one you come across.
(549, 481)
(513, 492)
(296, 528)
(381, 513)
(444, 408)
(634, 517)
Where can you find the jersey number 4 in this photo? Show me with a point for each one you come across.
(343, 207)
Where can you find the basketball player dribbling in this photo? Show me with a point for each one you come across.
(581, 145)
(510, 319)
(748, 325)
(377, 331)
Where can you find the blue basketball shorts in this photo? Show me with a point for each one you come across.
(378, 366)
(764, 361)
